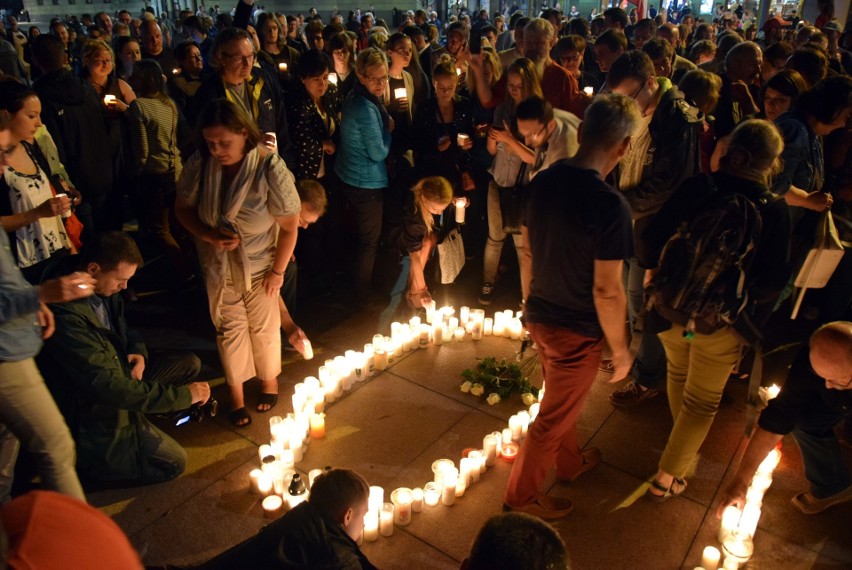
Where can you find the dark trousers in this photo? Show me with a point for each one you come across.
(822, 455)
(319, 250)
(154, 204)
(366, 204)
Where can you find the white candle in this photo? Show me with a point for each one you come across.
(317, 426)
(332, 78)
(402, 499)
(710, 558)
(476, 334)
(312, 475)
(498, 328)
(386, 520)
(272, 506)
(534, 409)
(749, 519)
(424, 335)
(515, 424)
(417, 500)
(371, 526)
(414, 322)
(263, 451)
(370, 357)
(461, 485)
(438, 468)
(264, 484)
(524, 418)
(446, 333)
(459, 334)
(431, 494)
(462, 139)
(282, 67)
(487, 326)
(109, 100)
(377, 498)
(448, 495)
(296, 447)
(730, 521)
(589, 90)
(430, 311)
(400, 93)
(381, 359)
(507, 435)
(254, 478)
(460, 209)
(489, 444)
(438, 332)
(464, 315)
(477, 463)
(175, 71)
(308, 353)
(465, 467)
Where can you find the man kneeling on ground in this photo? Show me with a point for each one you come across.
(99, 374)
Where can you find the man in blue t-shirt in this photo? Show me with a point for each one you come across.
(577, 237)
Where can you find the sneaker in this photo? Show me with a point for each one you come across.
(485, 293)
(632, 394)
(810, 505)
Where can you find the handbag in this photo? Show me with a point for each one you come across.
(512, 202)
(451, 256)
(821, 261)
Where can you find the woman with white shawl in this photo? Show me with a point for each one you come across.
(240, 202)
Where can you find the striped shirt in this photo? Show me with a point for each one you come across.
(153, 125)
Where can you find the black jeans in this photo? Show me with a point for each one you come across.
(366, 203)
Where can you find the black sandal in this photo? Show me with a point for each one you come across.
(669, 492)
(240, 417)
(266, 400)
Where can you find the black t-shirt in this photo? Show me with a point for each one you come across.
(573, 218)
(804, 400)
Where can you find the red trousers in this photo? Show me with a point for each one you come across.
(569, 363)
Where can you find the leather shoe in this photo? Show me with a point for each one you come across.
(591, 459)
(544, 507)
(811, 505)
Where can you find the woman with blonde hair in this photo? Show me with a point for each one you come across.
(698, 364)
(421, 230)
(240, 202)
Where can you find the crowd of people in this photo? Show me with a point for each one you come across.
(255, 145)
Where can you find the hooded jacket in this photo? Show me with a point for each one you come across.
(74, 117)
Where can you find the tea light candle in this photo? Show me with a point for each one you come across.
(402, 499)
(416, 500)
(710, 558)
(377, 498)
(730, 521)
(371, 526)
(589, 90)
(317, 426)
(272, 506)
(462, 139)
(400, 93)
(109, 100)
(308, 353)
(459, 334)
(282, 67)
(460, 209)
(509, 451)
(431, 494)
(489, 445)
(487, 326)
(386, 520)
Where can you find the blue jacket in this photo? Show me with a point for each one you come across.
(364, 144)
(20, 334)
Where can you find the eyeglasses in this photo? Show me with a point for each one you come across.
(376, 80)
(240, 58)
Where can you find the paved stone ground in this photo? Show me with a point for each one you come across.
(393, 426)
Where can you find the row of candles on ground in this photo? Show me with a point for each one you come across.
(736, 533)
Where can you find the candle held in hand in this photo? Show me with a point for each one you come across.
(282, 67)
(400, 93)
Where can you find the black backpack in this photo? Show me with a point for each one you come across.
(703, 276)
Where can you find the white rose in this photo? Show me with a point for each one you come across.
(465, 387)
(528, 399)
(477, 389)
(493, 398)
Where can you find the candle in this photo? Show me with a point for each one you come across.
(317, 426)
(438, 332)
(465, 468)
(730, 521)
(476, 334)
(524, 419)
(424, 335)
(459, 334)
(768, 465)
(738, 547)
(296, 447)
(749, 519)
(254, 479)
(430, 311)
(464, 315)
(370, 358)
(446, 333)
(477, 463)
(498, 328)
(332, 78)
(272, 506)
(507, 435)
(461, 486)
(312, 475)
(264, 484)
(448, 494)
(371, 526)
(460, 209)
(489, 444)
(431, 494)
(509, 451)
(288, 459)
(534, 408)
(386, 520)
(263, 451)
(458, 71)
(710, 558)
(402, 499)
(589, 90)
(462, 139)
(377, 497)
(400, 93)
(487, 326)
(730, 564)
(282, 67)
(438, 468)
(416, 500)
(109, 100)
(515, 427)
(381, 359)
(308, 353)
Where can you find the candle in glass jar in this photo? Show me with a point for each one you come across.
(377, 497)
(459, 203)
(489, 444)
(264, 484)
(386, 520)
(446, 333)
(487, 326)
(317, 426)
(509, 451)
(400, 93)
(402, 500)
(431, 494)
(371, 526)
(416, 500)
(459, 334)
(448, 495)
(272, 506)
(730, 521)
(710, 558)
(438, 468)
(381, 359)
(464, 315)
(254, 479)
(477, 464)
(462, 139)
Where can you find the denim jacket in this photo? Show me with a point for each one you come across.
(20, 334)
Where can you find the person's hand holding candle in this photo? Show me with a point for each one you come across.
(464, 141)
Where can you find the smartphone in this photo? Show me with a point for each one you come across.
(475, 43)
